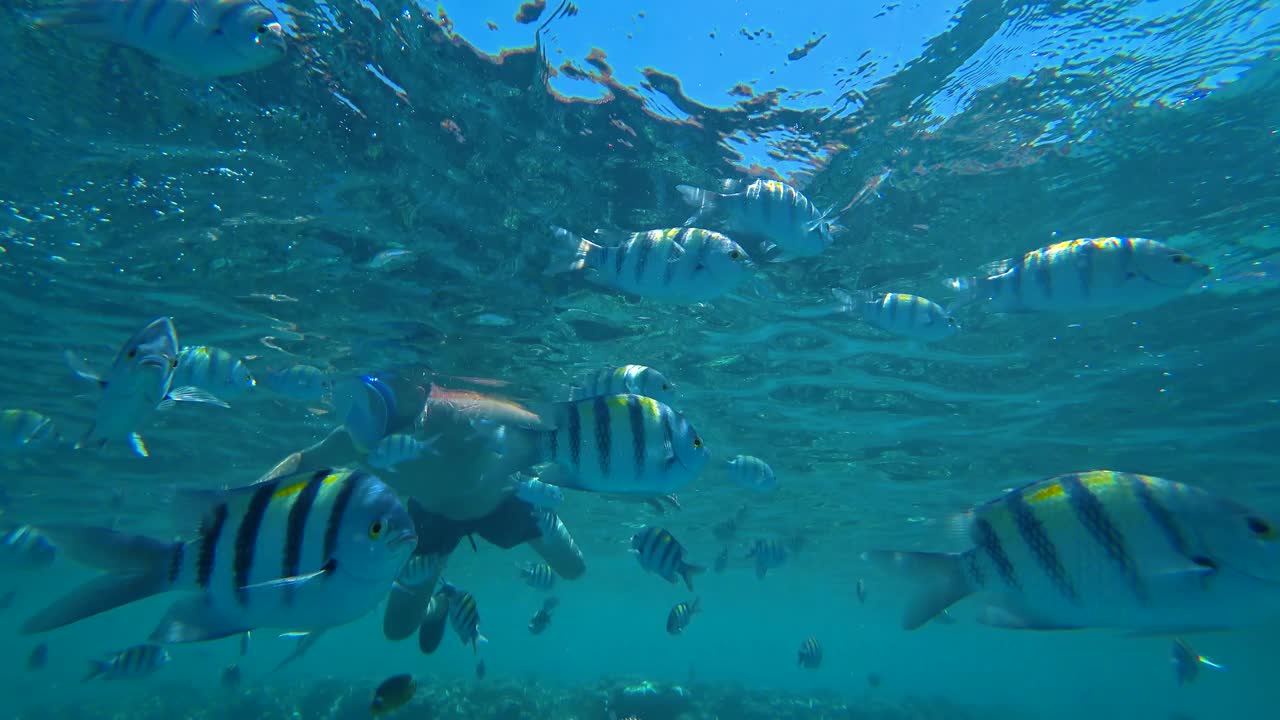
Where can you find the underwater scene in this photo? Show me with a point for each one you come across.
(637, 360)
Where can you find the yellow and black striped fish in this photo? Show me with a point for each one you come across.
(791, 224)
(464, 615)
(1087, 274)
(1104, 549)
(660, 553)
(632, 379)
(677, 264)
(300, 552)
(681, 615)
(622, 444)
(909, 316)
(134, 662)
(810, 655)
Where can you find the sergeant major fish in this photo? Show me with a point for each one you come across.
(909, 316)
(660, 553)
(681, 615)
(1087, 274)
(768, 554)
(300, 552)
(137, 661)
(752, 473)
(1103, 549)
(810, 655)
(199, 38)
(464, 615)
(213, 370)
(539, 576)
(792, 225)
(139, 382)
(621, 444)
(541, 619)
(678, 265)
(300, 382)
(625, 380)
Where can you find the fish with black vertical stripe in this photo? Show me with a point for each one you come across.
(619, 444)
(674, 265)
(464, 616)
(199, 38)
(909, 316)
(301, 552)
(1103, 549)
(1108, 273)
(660, 553)
(135, 662)
(790, 225)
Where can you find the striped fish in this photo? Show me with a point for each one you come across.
(214, 370)
(399, 448)
(306, 383)
(810, 655)
(137, 661)
(660, 553)
(1087, 274)
(200, 38)
(422, 571)
(24, 548)
(464, 616)
(625, 380)
(22, 430)
(752, 473)
(776, 211)
(768, 554)
(539, 494)
(539, 576)
(1104, 549)
(301, 552)
(681, 615)
(621, 444)
(677, 265)
(909, 316)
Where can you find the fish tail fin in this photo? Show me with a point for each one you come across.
(703, 200)
(688, 571)
(136, 567)
(966, 289)
(573, 253)
(96, 668)
(939, 578)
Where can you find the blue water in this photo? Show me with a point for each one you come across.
(256, 211)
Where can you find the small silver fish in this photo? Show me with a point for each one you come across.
(678, 265)
(200, 38)
(213, 370)
(23, 430)
(791, 223)
(139, 382)
(300, 382)
(628, 379)
(134, 662)
(752, 473)
(399, 448)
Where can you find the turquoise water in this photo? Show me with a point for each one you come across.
(253, 211)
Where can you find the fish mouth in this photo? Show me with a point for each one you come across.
(406, 538)
(156, 361)
(275, 38)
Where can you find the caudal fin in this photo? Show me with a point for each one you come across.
(96, 668)
(704, 201)
(939, 578)
(572, 253)
(137, 567)
(966, 292)
(688, 571)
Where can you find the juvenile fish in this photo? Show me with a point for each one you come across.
(909, 316)
(676, 265)
(1103, 549)
(200, 38)
(539, 576)
(660, 553)
(464, 615)
(137, 661)
(1087, 274)
(810, 655)
(768, 554)
(542, 618)
(792, 225)
(681, 615)
(301, 552)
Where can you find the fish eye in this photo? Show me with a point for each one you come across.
(133, 353)
(262, 29)
(697, 443)
(1260, 527)
(734, 254)
(173, 363)
(375, 530)
(1181, 259)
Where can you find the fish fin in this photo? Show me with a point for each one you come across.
(96, 668)
(294, 581)
(677, 252)
(939, 578)
(192, 506)
(87, 440)
(1172, 631)
(573, 253)
(431, 631)
(109, 550)
(190, 393)
(480, 640)
(967, 289)
(106, 592)
(687, 572)
(703, 200)
(81, 369)
(1014, 618)
(136, 444)
(405, 611)
(607, 237)
(194, 619)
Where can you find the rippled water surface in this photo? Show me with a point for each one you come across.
(381, 199)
